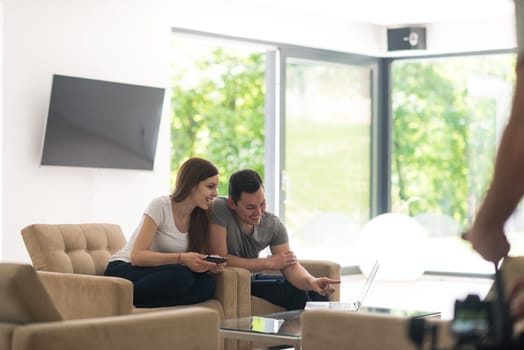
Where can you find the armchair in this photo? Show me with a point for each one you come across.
(70, 256)
(29, 320)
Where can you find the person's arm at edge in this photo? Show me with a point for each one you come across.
(507, 186)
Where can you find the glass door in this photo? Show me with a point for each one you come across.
(445, 131)
(217, 98)
(326, 156)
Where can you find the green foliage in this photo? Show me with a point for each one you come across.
(221, 116)
(444, 128)
(444, 133)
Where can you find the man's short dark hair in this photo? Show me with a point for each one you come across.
(246, 180)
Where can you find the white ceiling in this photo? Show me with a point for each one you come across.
(398, 12)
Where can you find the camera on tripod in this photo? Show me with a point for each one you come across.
(477, 324)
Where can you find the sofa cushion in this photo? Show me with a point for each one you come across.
(72, 248)
(261, 306)
(334, 329)
(191, 329)
(210, 304)
(24, 298)
(6, 335)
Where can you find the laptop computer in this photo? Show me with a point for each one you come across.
(346, 306)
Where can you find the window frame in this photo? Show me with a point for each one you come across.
(381, 125)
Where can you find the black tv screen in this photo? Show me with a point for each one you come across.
(102, 124)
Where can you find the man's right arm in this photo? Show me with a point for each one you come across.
(218, 245)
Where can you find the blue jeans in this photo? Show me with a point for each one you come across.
(277, 290)
(165, 285)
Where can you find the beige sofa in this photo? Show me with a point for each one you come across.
(71, 258)
(341, 330)
(29, 320)
(78, 254)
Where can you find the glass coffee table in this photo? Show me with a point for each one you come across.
(283, 328)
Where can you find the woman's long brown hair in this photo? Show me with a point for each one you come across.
(190, 174)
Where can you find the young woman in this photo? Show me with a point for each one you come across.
(164, 258)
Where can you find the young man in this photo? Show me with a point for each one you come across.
(241, 228)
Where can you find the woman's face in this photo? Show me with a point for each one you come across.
(205, 191)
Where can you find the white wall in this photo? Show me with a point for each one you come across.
(118, 40)
(278, 24)
(1, 116)
(253, 20)
(472, 35)
(128, 41)
(480, 34)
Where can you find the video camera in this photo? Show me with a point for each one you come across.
(477, 324)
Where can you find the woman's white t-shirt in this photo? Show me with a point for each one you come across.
(168, 238)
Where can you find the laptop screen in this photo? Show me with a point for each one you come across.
(367, 284)
(347, 306)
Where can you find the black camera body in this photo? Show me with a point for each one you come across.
(473, 321)
(482, 324)
(477, 324)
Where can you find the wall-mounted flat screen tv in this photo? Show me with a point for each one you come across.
(102, 124)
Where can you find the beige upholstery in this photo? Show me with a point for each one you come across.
(338, 330)
(70, 256)
(512, 269)
(79, 296)
(70, 259)
(24, 298)
(73, 248)
(318, 268)
(29, 320)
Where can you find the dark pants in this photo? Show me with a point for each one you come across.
(277, 290)
(165, 285)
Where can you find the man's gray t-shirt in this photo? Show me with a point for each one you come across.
(270, 231)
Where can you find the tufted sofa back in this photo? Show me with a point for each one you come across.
(72, 248)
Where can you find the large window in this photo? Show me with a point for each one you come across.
(217, 100)
(327, 157)
(448, 114)
(307, 121)
(304, 125)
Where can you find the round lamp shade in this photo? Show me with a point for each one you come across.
(398, 242)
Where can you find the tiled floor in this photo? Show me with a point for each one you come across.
(434, 293)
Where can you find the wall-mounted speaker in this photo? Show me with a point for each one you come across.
(410, 38)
